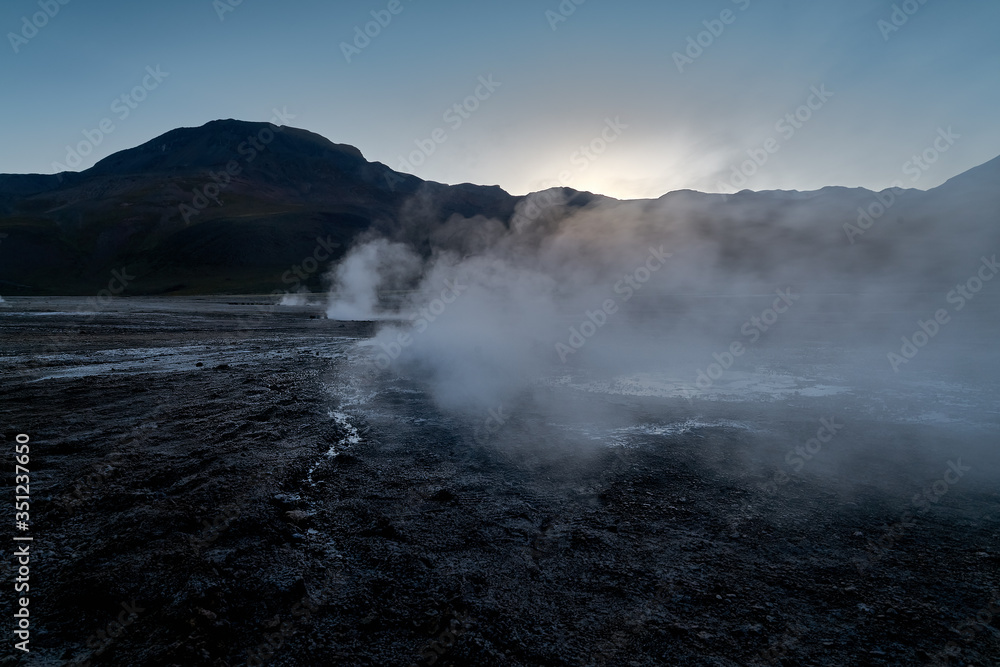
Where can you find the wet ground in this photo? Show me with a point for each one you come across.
(220, 482)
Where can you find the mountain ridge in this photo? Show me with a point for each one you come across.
(229, 206)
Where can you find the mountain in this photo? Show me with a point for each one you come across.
(170, 214)
(237, 207)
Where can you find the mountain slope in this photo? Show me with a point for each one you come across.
(181, 222)
(241, 207)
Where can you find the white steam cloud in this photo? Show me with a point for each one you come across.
(597, 287)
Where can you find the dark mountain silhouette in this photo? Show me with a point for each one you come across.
(169, 213)
(233, 206)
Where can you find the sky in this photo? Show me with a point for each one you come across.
(628, 99)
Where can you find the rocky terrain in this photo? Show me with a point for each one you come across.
(264, 495)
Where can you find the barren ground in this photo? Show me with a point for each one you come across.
(224, 498)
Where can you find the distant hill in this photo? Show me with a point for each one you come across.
(137, 210)
(234, 206)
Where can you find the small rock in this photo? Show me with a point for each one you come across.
(298, 516)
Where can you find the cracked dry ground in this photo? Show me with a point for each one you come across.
(414, 543)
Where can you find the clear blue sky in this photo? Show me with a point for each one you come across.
(892, 90)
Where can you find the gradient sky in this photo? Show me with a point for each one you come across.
(558, 87)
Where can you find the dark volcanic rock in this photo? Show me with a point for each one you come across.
(66, 233)
(193, 514)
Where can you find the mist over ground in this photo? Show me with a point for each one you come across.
(735, 426)
(696, 294)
